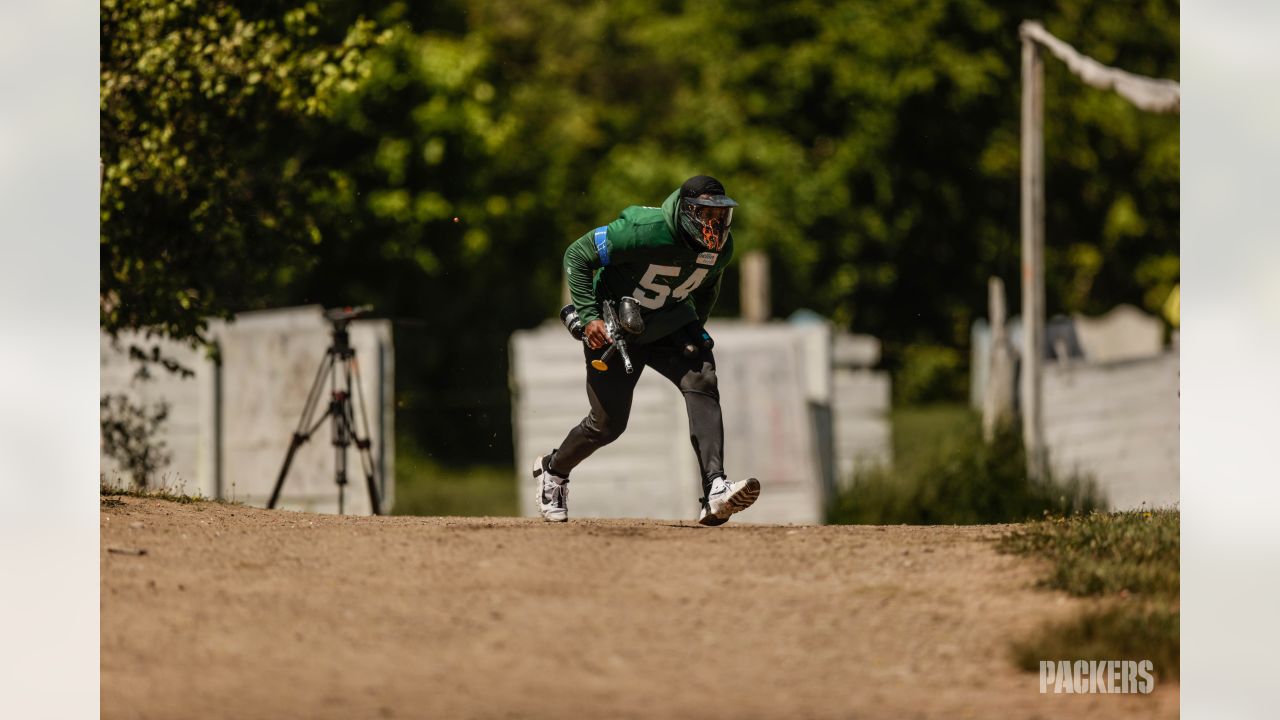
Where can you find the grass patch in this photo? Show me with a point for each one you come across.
(1106, 553)
(944, 473)
(1127, 559)
(1122, 632)
(111, 495)
(426, 487)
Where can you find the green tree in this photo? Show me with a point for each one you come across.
(873, 144)
(205, 185)
(433, 217)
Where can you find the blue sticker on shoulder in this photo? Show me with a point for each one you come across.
(602, 246)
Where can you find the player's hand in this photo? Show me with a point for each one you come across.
(597, 336)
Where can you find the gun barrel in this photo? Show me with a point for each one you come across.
(626, 358)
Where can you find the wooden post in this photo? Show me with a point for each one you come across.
(1032, 254)
(755, 286)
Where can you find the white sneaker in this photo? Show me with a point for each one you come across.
(553, 492)
(726, 498)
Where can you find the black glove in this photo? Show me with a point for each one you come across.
(696, 340)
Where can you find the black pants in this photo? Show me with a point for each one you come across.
(610, 393)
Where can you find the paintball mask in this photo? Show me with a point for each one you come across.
(705, 212)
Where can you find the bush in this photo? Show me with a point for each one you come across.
(963, 481)
(131, 436)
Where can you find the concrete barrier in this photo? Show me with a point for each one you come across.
(269, 361)
(230, 425)
(860, 406)
(651, 470)
(771, 377)
(1117, 421)
(188, 432)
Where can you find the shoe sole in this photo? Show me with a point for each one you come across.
(710, 520)
(744, 498)
(537, 471)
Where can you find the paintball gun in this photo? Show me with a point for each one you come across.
(621, 323)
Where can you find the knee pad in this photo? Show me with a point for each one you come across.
(702, 383)
(603, 432)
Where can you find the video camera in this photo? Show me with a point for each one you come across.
(345, 315)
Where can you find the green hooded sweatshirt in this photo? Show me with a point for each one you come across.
(643, 255)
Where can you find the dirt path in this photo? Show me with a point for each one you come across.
(235, 612)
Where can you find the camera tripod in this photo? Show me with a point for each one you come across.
(340, 366)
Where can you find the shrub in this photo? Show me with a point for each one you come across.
(963, 482)
(131, 437)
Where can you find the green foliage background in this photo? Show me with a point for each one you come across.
(434, 159)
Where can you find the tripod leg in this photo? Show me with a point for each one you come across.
(342, 428)
(341, 400)
(341, 439)
(294, 444)
(375, 497)
(302, 433)
(365, 444)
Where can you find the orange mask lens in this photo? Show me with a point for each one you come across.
(711, 235)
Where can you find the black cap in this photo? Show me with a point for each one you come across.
(701, 185)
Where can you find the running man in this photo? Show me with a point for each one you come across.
(670, 259)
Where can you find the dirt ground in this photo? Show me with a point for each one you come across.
(235, 612)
